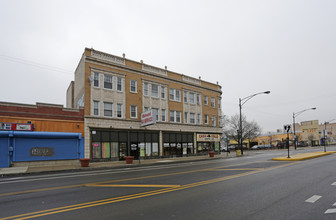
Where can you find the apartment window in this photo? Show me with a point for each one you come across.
(119, 110)
(133, 86)
(213, 102)
(219, 103)
(205, 100)
(155, 91)
(213, 120)
(178, 116)
(96, 80)
(146, 89)
(192, 98)
(185, 97)
(108, 81)
(198, 99)
(163, 114)
(134, 111)
(206, 119)
(146, 109)
(96, 108)
(198, 119)
(163, 92)
(175, 116)
(177, 95)
(186, 117)
(192, 118)
(108, 109)
(156, 113)
(119, 84)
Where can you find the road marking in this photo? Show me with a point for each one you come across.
(313, 199)
(132, 185)
(330, 211)
(334, 204)
(134, 196)
(333, 184)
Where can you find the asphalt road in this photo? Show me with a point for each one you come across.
(253, 187)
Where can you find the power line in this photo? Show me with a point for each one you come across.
(35, 64)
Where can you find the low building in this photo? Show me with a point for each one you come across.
(135, 109)
(42, 117)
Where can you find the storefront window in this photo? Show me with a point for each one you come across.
(106, 150)
(155, 149)
(96, 150)
(114, 149)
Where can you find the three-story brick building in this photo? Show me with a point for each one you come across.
(115, 91)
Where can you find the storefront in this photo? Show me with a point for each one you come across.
(178, 144)
(207, 143)
(115, 145)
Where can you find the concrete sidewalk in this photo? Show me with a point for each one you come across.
(304, 156)
(50, 166)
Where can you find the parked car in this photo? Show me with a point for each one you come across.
(255, 147)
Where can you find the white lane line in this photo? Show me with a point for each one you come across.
(333, 184)
(334, 204)
(330, 211)
(313, 199)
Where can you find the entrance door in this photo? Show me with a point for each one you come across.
(135, 150)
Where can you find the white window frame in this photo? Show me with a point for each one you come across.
(119, 83)
(198, 119)
(163, 92)
(192, 118)
(206, 119)
(192, 98)
(121, 110)
(146, 89)
(110, 81)
(163, 115)
(206, 100)
(93, 108)
(155, 93)
(186, 117)
(133, 88)
(198, 99)
(185, 96)
(156, 110)
(175, 115)
(175, 95)
(213, 121)
(96, 79)
(111, 109)
(213, 102)
(134, 109)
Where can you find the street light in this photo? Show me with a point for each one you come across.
(241, 103)
(325, 130)
(294, 115)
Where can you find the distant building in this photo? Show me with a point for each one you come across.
(132, 108)
(42, 117)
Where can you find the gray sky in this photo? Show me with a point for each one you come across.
(248, 46)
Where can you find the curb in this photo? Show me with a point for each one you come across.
(304, 156)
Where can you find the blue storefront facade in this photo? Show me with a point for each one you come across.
(22, 146)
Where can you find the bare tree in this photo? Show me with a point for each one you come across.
(250, 130)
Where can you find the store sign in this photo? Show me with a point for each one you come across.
(148, 118)
(208, 137)
(15, 127)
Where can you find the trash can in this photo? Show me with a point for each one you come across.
(211, 154)
(238, 153)
(129, 159)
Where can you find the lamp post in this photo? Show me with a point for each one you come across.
(241, 103)
(295, 115)
(325, 130)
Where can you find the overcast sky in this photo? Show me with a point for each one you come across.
(248, 46)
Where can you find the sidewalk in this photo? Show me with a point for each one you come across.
(50, 166)
(75, 165)
(304, 156)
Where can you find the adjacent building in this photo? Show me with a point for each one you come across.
(132, 108)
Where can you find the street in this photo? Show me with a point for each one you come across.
(249, 187)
